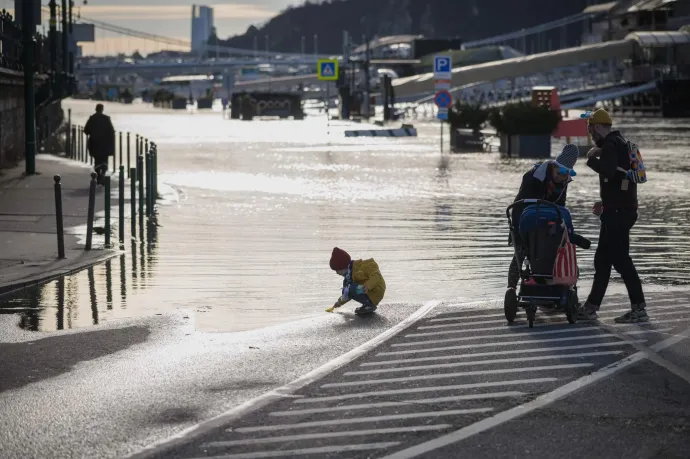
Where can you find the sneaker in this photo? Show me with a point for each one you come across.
(633, 317)
(588, 312)
(366, 309)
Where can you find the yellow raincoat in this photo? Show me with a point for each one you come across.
(366, 272)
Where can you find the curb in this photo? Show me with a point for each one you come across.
(15, 287)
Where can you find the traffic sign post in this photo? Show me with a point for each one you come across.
(443, 78)
(327, 69)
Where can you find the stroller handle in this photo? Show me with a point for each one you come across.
(533, 201)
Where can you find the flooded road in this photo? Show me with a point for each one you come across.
(263, 203)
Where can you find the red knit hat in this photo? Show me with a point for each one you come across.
(340, 259)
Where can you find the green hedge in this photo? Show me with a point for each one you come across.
(467, 116)
(524, 119)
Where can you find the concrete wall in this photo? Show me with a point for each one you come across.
(11, 118)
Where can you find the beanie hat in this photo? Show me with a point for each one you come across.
(340, 259)
(568, 157)
(600, 116)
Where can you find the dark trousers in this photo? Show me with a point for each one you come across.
(361, 298)
(100, 165)
(613, 250)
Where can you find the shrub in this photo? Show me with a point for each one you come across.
(467, 116)
(524, 119)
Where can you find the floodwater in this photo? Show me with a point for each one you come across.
(263, 203)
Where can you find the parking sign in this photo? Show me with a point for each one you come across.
(443, 66)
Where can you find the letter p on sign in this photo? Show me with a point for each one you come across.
(442, 67)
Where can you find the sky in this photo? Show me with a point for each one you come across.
(170, 18)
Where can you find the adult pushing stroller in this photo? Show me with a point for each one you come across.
(544, 242)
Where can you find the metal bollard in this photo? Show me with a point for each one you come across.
(120, 150)
(146, 145)
(121, 204)
(69, 139)
(58, 217)
(136, 146)
(129, 166)
(148, 184)
(154, 166)
(140, 175)
(74, 143)
(133, 200)
(107, 210)
(92, 204)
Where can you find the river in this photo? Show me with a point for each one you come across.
(262, 204)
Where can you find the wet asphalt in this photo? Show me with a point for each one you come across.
(459, 367)
(111, 391)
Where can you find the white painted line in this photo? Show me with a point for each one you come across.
(466, 317)
(539, 402)
(421, 401)
(281, 392)
(653, 322)
(654, 357)
(505, 343)
(365, 420)
(566, 326)
(644, 331)
(304, 451)
(420, 390)
(499, 371)
(609, 314)
(463, 319)
(485, 362)
(530, 333)
(497, 353)
(317, 436)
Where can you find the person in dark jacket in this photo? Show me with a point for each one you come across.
(618, 213)
(548, 181)
(101, 141)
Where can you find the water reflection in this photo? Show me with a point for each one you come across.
(266, 202)
(59, 304)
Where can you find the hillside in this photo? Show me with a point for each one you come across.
(465, 19)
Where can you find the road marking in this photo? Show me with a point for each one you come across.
(529, 333)
(566, 326)
(505, 343)
(343, 421)
(304, 451)
(484, 362)
(478, 316)
(653, 322)
(644, 331)
(492, 353)
(419, 390)
(316, 436)
(463, 319)
(288, 389)
(421, 401)
(456, 321)
(539, 402)
(499, 371)
(465, 314)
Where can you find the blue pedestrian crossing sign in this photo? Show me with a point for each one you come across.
(327, 69)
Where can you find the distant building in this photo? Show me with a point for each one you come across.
(614, 20)
(202, 26)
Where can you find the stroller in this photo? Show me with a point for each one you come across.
(544, 243)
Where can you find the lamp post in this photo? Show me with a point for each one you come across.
(29, 30)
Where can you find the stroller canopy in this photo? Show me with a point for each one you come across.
(537, 215)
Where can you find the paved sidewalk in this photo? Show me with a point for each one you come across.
(28, 241)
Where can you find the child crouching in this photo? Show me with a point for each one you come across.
(362, 281)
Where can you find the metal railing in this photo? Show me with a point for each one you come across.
(10, 43)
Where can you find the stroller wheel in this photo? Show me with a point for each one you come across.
(510, 305)
(571, 309)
